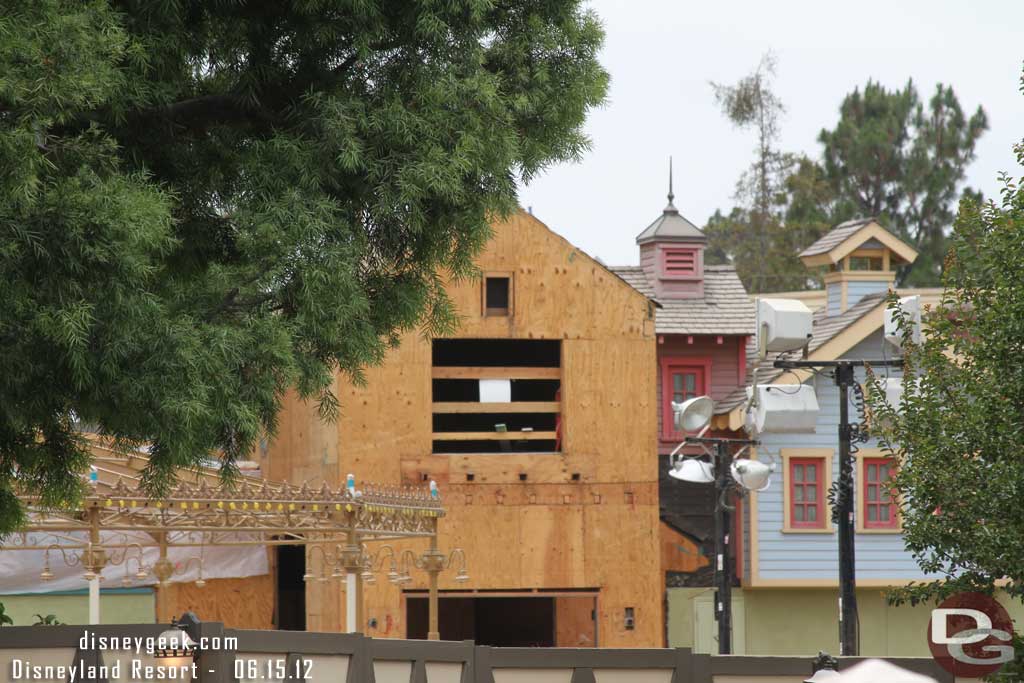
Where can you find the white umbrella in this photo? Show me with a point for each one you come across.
(881, 671)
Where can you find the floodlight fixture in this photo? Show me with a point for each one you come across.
(782, 325)
(752, 475)
(693, 414)
(693, 470)
(782, 409)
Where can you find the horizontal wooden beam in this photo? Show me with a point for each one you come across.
(496, 373)
(493, 436)
(514, 407)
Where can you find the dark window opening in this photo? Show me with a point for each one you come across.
(497, 295)
(290, 606)
(535, 390)
(501, 353)
(468, 390)
(474, 406)
(448, 447)
(490, 422)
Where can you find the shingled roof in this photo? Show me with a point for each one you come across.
(824, 328)
(834, 237)
(672, 226)
(725, 308)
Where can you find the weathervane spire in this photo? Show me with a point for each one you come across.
(671, 208)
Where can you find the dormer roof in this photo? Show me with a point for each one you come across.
(846, 237)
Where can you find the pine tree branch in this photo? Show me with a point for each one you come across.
(199, 112)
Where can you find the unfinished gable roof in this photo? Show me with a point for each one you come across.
(846, 237)
(724, 309)
(824, 329)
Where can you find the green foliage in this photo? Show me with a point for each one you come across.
(48, 620)
(894, 157)
(203, 204)
(889, 156)
(960, 433)
(5, 620)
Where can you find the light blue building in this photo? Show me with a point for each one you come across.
(787, 557)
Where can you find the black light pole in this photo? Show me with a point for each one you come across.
(849, 631)
(723, 548)
(843, 510)
(723, 535)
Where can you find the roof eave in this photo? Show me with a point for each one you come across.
(671, 238)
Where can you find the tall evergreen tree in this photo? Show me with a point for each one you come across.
(203, 204)
(889, 156)
(904, 161)
(748, 236)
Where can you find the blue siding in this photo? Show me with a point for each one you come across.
(815, 556)
(855, 291)
(835, 303)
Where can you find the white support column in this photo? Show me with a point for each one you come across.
(94, 600)
(351, 621)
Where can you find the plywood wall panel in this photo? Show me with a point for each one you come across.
(610, 419)
(679, 553)
(549, 532)
(325, 604)
(574, 622)
(551, 547)
(623, 536)
(237, 603)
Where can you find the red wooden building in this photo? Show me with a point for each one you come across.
(703, 323)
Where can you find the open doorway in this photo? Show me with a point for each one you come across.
(499, 622)
(503, 621)
(290, 604)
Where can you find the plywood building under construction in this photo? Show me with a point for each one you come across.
(538, 421)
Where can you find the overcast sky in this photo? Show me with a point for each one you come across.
(662, 53)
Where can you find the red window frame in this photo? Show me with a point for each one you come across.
(802, 491)
(679, 262)
(877, 499)
(700, 368)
